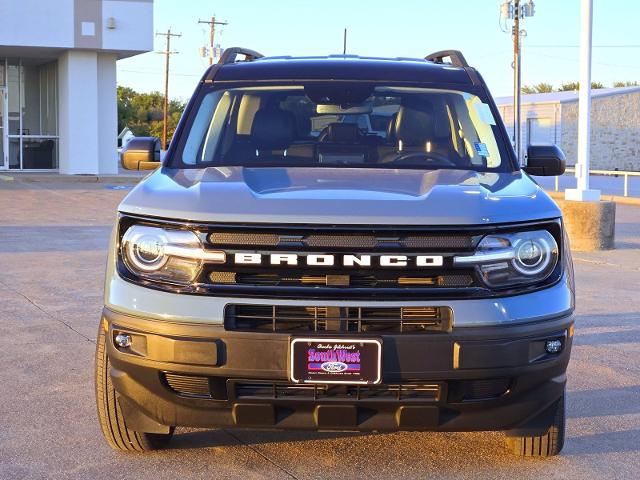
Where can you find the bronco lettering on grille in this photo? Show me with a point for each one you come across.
(328, 260)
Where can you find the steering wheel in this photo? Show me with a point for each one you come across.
(423, 156)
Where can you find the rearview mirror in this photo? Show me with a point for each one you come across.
(141, 153)
(545, 160)
(338, 110)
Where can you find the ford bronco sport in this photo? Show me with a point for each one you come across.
(339, 243)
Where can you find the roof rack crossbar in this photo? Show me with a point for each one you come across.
(230, 54)
(456, 57)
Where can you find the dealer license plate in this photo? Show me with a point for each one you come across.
(321, 360)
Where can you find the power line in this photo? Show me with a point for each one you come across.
(578, 46)
(576, 60)
(157, 72)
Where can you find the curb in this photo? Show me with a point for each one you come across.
(61, 178)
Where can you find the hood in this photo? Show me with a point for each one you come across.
(341, 196)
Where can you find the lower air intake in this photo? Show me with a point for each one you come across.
(188, 386)
(300, 319)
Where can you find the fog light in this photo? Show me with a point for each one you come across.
(123, 340)
(553, 346)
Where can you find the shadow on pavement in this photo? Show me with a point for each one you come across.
(603, 402)
(599, 443)
(228, 438)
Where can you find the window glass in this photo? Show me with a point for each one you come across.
(344, 125)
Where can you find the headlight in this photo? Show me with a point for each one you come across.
(519, 258)
(162, 254)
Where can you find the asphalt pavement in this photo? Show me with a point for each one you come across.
(53, 240)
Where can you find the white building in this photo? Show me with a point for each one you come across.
(58, 108)
(552, 118)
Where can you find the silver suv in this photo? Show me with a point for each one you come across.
(288, 268)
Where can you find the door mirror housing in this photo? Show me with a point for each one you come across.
(545, 160)
(141, 153)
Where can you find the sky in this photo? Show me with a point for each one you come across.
(405, 28)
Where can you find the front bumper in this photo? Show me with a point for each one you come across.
(474, 378)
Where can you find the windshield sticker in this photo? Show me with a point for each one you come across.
(484, 112)
(481, 149)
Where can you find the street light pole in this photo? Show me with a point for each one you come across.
(582, 192)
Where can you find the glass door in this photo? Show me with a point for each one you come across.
(4, 141)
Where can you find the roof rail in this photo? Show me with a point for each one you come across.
(456, 57)
(229, 55)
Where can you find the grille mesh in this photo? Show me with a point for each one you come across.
(188, 385)
(341, 241)
(354, 280)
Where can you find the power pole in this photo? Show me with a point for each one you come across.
(212, 31)
(516, 80)
(512, 10)
(167, 53)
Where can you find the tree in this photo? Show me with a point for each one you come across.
(569, 87)
(626, 83)
(544, 87)
(142, 112)
(575, 86)
(539, 88)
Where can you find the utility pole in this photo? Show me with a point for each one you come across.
(513, 10)
(516, 80)
(212, 31)
(167, 53)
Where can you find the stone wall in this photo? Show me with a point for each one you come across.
(615, 132)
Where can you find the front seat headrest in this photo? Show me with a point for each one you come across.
(415, 123)
(272, 129)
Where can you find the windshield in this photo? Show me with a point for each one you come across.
(352, 125)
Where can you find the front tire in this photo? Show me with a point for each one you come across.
(546, 445)
(114, 426)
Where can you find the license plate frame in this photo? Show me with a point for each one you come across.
(362, 358)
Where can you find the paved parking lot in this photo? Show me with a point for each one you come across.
(52, 254)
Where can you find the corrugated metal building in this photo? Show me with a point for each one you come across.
(553, 118)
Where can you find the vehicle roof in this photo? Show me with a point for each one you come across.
(340, 67)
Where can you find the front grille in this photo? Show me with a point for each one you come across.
(319, 262)
(300, 279)
(300, 319)
(286, 391)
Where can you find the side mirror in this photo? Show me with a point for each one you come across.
(545, 160)
(141, 153)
